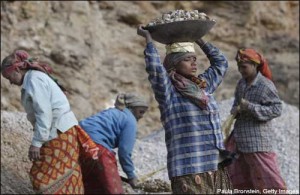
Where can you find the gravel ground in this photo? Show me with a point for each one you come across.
(286, 143)
(149, 153)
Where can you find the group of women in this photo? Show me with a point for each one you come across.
(71, 157)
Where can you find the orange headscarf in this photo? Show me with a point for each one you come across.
(250, 55)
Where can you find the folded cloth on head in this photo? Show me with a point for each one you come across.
(129, 100)
(180, 47)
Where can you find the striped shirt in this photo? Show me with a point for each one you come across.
(253, 127)
(192, 135)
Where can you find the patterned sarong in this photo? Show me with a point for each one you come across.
(101, 176)
(212, 182)
(257, 170)
(58, 170)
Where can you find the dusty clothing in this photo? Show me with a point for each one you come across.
(47, 107)
(252, 137)
(257, 170)
(113, 128)
(212, 182)
(253, 126)
(58, 172)
(56, 130)
(101, 176)
(193, 135)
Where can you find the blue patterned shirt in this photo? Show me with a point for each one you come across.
(192, 135)
(253, 126)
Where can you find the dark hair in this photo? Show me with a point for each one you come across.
(7, 61)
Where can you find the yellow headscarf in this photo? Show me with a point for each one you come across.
(175, 52)
(180, 47)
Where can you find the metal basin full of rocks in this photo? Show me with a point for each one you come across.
(180, 26)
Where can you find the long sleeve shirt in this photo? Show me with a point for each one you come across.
(193, 135)
(112, 129)
(253, 126)
(47, 107)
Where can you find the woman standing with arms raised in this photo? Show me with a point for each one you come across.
(189, 114)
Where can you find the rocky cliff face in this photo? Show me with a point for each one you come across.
(96, 53)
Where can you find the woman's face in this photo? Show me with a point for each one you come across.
(187, 67)
(15, 77)
(139, 112)
(247, 69)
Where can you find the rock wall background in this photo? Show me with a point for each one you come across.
(96, 53)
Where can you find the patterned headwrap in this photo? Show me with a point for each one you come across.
(20, 59)
(23, 61)
(250, 55)
(192, 87)
(125, 100)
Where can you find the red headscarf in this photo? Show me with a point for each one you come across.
(20, 59)
(23, 61)
(250, 55)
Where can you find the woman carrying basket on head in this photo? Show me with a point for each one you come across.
(189, 114)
